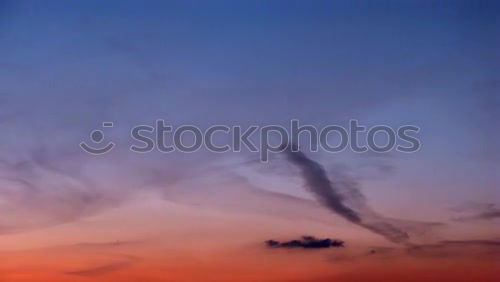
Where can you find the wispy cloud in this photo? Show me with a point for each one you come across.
(477, 211)
(330, 194)
(477, 248)
(43, 188)
(100, 270)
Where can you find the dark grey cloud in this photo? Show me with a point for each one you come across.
(306, 242)
(341, 201)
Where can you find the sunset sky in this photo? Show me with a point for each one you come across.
(68, 66)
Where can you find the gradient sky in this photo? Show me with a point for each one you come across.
(65, 67)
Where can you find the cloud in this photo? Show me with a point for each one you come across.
(307, 242)
(100, 270)
(477, 211)
(493, 214)
(106, 244)
(481, 249)
(341, 197)
(41, 188)
(478, 249)
(124, 262)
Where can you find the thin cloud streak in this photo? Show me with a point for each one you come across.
(100, 270)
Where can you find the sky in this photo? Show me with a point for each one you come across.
(67, 67)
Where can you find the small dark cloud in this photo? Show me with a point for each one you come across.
(306, 242)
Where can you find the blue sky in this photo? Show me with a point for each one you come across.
(68, 66)
(65, 68)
